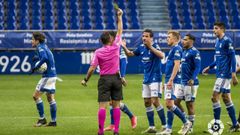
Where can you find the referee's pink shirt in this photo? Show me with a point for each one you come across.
(107, 57)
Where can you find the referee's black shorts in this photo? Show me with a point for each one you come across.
(109, 87)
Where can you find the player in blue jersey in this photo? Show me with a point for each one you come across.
(123, 106)
(151, 58)
(225, 72)
(47, 82)
(190, 68)
(172, 83)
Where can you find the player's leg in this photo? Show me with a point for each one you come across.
(49, 88)
(216, 99)
(104, 96)
(116, 96)
(231, 111)
(155, 88)
(146, 94)
(126, 110)
(190, 93)
(111, 126)
(39, 103)
(53, 109)
(179, 93)
(170, 97)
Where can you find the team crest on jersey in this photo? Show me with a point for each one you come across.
(198, 56)
(177, 53)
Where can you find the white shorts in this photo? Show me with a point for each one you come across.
(152, 90)
(189, 92)
(47, 84)
(170, 93)
(222, 85)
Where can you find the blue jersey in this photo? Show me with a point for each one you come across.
(190, 65)
(46, 56)
(174, 54)
(122, 53)
(151, 64)
(225, 58)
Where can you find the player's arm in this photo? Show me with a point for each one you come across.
(197, 65)
(206, 69)
(43, 58)
(127, 52)
(88, 75)
(156, 51)
(174, 73)
(119, 23)
(231, 53)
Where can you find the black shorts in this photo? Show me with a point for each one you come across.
(109, 87)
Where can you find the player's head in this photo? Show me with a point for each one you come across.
(147, 36)
(37, 38)
(188, 41)
(106, 38)
(219, 28)
(173, 37)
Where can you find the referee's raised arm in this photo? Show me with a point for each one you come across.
(119, 23)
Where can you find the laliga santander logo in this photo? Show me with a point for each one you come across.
(215, 127)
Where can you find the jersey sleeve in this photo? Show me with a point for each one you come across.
(197, 64)
(94, 61)
(177, 54)
(231, 53)
(137, 51)
(42, 57)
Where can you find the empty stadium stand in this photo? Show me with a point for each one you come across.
(100, 14)
(66, 14)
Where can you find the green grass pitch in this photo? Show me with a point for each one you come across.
(77, 106)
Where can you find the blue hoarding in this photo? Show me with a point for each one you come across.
(76, 62)
(90, 39)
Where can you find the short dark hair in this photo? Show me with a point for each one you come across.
(190, 36)
(149, 31)
(113, 33)
(105, 37)
(219, 24)
(39, 36)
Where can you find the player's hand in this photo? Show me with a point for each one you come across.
(234, 79)
(170, 84)
(119, 12)
(32, 71)
(205, 70)
(190, 82)
(34, 58)
(124, 43)
(84, 83)
(124, 82)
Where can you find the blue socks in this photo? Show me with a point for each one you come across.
(53, 110)
(179, 113)
(170, 117)
(40, 108)
(150, 116)
(160, 111)
(125, 109)
(231, 113)
(217, 110)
